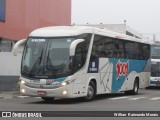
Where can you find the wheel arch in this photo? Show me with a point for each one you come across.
(93, 79)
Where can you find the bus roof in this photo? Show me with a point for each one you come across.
(56, 31)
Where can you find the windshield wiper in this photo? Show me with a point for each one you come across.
(48, 61)
(37, 62)
(48, 56)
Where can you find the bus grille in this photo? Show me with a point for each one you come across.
(42, 86)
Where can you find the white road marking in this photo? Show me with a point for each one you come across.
(137, 98)
(27, 96)
(22, 96)
(119, 98)
(36, 97)
(155, 98)
(7, 97)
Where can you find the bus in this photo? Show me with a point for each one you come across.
(80, 61)
(155, 65)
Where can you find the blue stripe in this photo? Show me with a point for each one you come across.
(134, 65)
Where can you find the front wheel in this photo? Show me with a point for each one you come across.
(91, 93)
(48, 99)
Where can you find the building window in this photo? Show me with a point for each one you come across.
(2, 10)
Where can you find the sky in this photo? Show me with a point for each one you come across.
(141, 15)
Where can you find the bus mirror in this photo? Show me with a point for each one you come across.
(73, 46)
(14, 50)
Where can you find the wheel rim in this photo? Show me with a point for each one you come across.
(136, 88)
(90, 91)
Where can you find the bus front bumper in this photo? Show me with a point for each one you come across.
(61, 92)
(155, 81)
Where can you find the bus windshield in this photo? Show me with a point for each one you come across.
(155, 69)
(155, 52)
(46, 58)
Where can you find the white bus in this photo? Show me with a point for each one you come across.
(79, 61)
(155, 65)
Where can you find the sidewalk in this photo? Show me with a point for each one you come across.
(8, 94)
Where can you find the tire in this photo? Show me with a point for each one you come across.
(91, 92)
(48, 99)
(135, 89)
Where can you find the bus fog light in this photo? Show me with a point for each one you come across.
(23, 90)
(64, 92)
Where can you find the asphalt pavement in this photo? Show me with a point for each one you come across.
(146, 100)
(9, 94)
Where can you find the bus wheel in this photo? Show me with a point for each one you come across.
(135, 89)
(91, 93)
(48, 99)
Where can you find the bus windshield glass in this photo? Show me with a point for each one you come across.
(155, 52)
(46, 58)
(155, 69)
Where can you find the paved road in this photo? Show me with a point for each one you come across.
(146, 100)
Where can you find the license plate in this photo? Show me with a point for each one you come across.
(41, 93)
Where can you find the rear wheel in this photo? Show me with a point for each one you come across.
(48, 99)
(135, 89)
(91, 93)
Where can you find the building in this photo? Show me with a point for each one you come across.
(19, 17)
(152, 36)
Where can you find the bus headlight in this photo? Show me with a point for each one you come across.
(23, 82)
(64, 83)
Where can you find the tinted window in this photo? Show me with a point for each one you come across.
(97, 47)
(119, 44)
(130, 51)
(103, 47)
(110, 48)
(133, 50)
(146, 51)
(117, 48)
(81, 51)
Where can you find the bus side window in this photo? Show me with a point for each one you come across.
(146, 51)
(80, 55)
(84, 46)
(119, 44)
(109, 47)
(131, 50)
(78, 58)
(95, 53)
(97, 47)
(140, 52)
